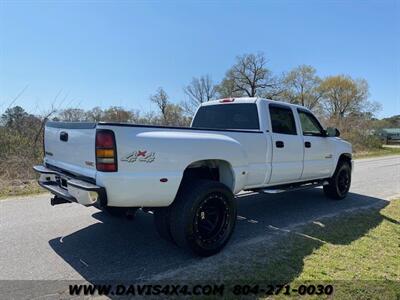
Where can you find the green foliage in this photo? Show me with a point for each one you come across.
(13, 116)
(19, 152)
(301, 86)
(391, 122)
(357, 252)
(171, 114)
(340, 101)
(362, 141)
(342, 95)
(117, 114)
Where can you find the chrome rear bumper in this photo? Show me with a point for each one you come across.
(71, 189)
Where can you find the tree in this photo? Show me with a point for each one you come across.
(346, 106)
(248, 76)
(72, 115)
(17, 119)
(13, 117)
(96, 114)
(174, 116)
(43, 119)
(390, 122)
(301, 86)
(161, 99)
(149, 118)
(117, 114)
(342, 95)
(199, 90)
(227, 89)
(19, 132)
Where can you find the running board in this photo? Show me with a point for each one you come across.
(294, 187)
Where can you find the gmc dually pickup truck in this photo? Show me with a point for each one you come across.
(188, 176)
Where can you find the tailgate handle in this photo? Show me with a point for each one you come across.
(63, 136)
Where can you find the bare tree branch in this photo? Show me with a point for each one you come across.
(248, 76)
(161, 99)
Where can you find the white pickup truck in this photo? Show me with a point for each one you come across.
(188, 176)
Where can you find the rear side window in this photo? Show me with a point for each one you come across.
(227, 116)
(282, 120)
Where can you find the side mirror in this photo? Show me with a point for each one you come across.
(332, 132)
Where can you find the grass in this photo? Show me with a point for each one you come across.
(376, 153)
(359, 254)
(373, 256)
(360, 264)
(9, 188)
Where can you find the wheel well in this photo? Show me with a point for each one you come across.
(345, 157)
(211, 169)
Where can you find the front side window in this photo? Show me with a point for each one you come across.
(282, 120)
(310, 124)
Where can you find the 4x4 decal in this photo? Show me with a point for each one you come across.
(141, 156)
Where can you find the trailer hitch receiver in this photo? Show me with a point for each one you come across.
(58, 200)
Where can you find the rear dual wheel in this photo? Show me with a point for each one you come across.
(201, 219)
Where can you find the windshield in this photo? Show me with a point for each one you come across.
(227, 116)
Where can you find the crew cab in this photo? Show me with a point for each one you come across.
(188, 176)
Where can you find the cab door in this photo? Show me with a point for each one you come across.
(287, 145)
(318, 149)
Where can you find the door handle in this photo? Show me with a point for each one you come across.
(279, 144)
(307, 144)
(63, 136)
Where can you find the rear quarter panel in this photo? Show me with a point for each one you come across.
(165, 153)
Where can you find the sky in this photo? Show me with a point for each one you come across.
(103, 53)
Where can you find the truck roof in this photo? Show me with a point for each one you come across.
(248, 100)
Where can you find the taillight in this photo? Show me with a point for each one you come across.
(106, 151)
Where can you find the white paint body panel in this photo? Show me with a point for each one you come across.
(318, 159)
(251, 157)
(73, 154)
(174, 151)
(287, 162)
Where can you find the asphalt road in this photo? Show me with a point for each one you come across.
(41, 242)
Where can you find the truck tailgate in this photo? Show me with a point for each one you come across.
(71, 147)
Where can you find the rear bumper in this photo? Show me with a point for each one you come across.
(65, 186)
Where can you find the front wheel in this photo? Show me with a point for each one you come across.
(339, 184)
(203, 217)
